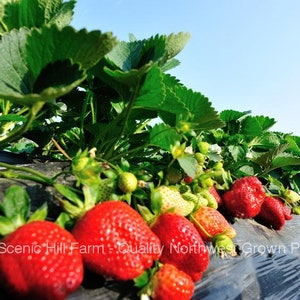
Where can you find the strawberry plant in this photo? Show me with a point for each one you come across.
(152, 162)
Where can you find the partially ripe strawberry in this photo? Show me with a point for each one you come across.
(182, 245)
(245, 197)
(170, 283)
(172, 201)
(118, 241)
(213, 191)
(273, 213)
(210, 222)
(40, 260)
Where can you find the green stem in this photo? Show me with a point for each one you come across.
(128, 153)
(36, 176)
(124, 117)
(82, 119)
(201, 227)
(34, 109)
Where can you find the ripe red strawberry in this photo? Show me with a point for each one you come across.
(170, 283)
(182, 244)
(40, 260)
(245, 197)
(118, 241)
(210, 222)
(273, 213)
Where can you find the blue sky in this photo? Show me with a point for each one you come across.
(242, 55)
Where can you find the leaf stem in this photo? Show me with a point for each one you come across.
(36, 176)
(33, 111)
(123, 117)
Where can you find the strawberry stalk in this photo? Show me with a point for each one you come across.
(35, 175)
(201, 227)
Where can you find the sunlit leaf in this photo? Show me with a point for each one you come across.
(35, 13)
(27, 55)
(164, 136)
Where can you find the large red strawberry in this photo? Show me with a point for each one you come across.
(182, 244)
(170, 283)
(118, 241)
(210, 222)
(245, 197)
(40, 260)
(273, 213)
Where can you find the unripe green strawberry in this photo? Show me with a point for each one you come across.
(170, 283)
(203, 147)
(218, 166)
(200, 157)
(127, 182)
(106, 188)
(172, 201)
(207, 182)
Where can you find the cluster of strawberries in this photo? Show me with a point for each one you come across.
(247, 199)
(41, 260)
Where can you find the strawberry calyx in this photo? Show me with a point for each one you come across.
(223, 245)
(15, 210)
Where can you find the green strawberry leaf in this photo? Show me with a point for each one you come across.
(253, 126)
(164, 136)
(6, 226)
(39, 214)
(35, 13)
(125, 55)
(266, 160)
(129, 78)
(230, 115)
(266, 140)
(201, 113)
(70, 194)
(28, 58)
(285, 159)
(294, 144)
(152, 93)
(237, 152)
(64, 220)
(12, 118)
(141, 280)
(55, 77)
(16, 204)
(188, 163)
(175, 44)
